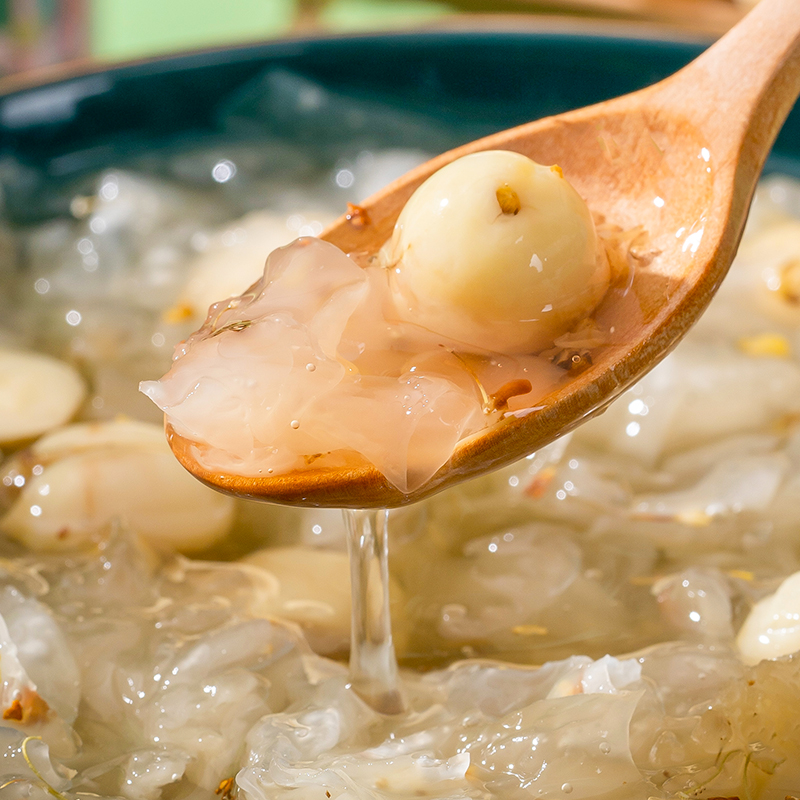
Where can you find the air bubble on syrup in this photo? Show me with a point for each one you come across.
(295, 424)
(605, 748)
(566, 788)
(311, 367)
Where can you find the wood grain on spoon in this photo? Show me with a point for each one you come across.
(680, 158)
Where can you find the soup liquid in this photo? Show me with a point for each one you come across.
(373, 665)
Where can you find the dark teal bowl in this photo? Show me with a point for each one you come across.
(430, 90)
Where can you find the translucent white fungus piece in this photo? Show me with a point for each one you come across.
(147, 772)
(234, 391)
(21, 704)
(744, 483)
(579, 742)
(609, 675)
(234, 258)
(273, 380)
(696, 602)
(15, 681)
(297, 754)
(19, 781)
(772, 629)
(702, 392)
(505, 579)
(128, 243)
(37, 393)
(42, 649)
(210, 694)
(498, 252)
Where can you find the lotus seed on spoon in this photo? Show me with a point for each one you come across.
(498, 252)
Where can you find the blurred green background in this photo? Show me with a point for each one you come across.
(126, 28)
(36, 33)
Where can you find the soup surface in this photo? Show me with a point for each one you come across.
(614, 616)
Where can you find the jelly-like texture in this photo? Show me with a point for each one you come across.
(309, 366)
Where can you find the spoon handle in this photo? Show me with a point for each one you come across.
(740, 91)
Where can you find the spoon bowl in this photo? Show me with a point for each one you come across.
(679, 159)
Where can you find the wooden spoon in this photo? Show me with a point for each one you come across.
(680, 158)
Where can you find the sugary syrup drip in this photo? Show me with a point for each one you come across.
(373, 666)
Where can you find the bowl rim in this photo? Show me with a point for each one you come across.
(464, 27)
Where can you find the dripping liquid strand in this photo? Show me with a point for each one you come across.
(373, 666)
